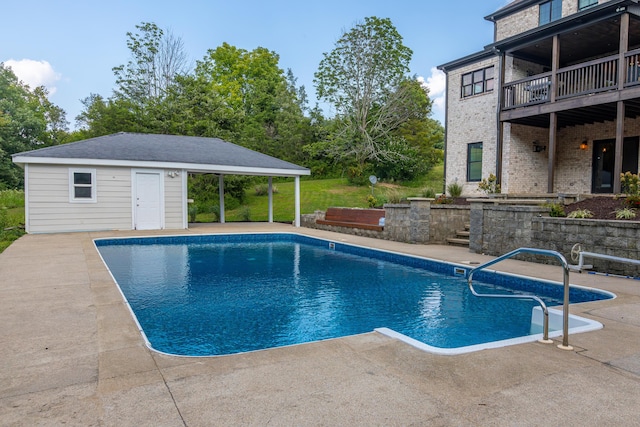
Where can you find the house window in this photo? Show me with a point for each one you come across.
(550, 11)
(583, 4)
(477, 82)
(474, 161)
(82, 185)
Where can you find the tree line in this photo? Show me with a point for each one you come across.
(381, 125)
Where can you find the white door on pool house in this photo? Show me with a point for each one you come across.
(148, 200)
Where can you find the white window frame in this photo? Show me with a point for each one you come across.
(73, 185)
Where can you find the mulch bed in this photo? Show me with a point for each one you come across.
(601, 207)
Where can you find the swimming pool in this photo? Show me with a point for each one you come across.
(231, 293)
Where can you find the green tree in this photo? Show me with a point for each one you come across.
(157, 58)
(365, 79)
(28, 120)
(269, 116)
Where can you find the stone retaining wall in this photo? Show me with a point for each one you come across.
(498, 228)
(418, 221)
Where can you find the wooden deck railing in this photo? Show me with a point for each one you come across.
(582, 79)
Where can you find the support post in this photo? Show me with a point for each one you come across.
(270, 199)
(617, 161)
(221, 194)
(297, 201)
(551, 167)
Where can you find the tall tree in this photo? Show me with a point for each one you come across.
(365, 78)
(157, 58)
(28, 120)
(252, 84)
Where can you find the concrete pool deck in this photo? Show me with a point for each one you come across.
(71, 354)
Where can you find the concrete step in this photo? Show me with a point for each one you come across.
(463, 233)
(458, 241)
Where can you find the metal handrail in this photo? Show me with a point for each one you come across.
(565, 305)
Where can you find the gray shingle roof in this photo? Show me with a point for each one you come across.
(137, 147)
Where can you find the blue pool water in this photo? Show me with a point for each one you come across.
(225, 294)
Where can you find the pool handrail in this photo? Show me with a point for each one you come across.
(565, 304)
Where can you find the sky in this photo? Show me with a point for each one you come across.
(71, 46)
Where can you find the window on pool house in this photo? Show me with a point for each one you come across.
(82, 185)
(474, 162)
(550, 11)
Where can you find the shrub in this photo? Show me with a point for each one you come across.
(372, 201)
(580, 213)
(556, 210)
(429, 193)
(443, 200)
(263, 189)
(630, 184)
(454, 189)
(245, 213)
(193, 212)
(490, 185)
(632, 202)
(625, 213)
(394, 196)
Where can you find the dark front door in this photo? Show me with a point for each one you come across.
(603, 159)
(603, 162)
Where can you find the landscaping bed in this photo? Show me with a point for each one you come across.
(600, 207)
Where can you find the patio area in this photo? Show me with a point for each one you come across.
(72, 354)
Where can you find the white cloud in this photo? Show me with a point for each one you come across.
(437, 84)
(35, 73)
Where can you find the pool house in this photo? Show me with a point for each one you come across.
(132, 181)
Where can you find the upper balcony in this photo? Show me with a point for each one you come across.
(585, 74)
(584, 79)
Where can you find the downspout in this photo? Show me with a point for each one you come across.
(499, 126)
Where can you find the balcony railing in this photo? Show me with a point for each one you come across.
(582, 79)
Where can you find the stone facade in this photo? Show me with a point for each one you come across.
(528, 18)
(470, 119)
(526, 171)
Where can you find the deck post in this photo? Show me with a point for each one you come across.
(551, 166)
(617, 161)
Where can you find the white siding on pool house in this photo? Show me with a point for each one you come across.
(50, 210)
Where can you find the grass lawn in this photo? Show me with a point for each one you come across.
(11, 217)
(321, 194)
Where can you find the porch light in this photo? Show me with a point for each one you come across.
(537, 147)
(584, 144)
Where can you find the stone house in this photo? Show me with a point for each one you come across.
(552, 105)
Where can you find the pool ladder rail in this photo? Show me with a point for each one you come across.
(565, 305)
